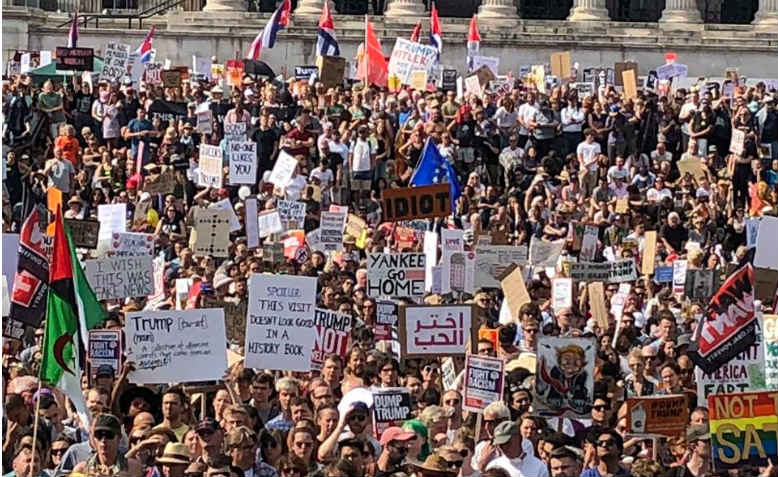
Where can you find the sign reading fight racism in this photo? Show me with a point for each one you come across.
(395, 275)
(120, 277)
(105, 348)
(176, 346)
(279, 326)
(663, 415)
(484, 378)
(332, 334)
(417, 202)
(391, 406)
(435, 330)
(609, 272)
(744, 428)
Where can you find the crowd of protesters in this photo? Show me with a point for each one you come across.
(530, 164)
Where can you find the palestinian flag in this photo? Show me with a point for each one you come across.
(71, 310)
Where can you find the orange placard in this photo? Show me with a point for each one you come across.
(235, 70)
(489, 335)
(53, 202)
(663, 415)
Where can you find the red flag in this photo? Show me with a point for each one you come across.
(416, 32)
(473, 36)
(372, 68)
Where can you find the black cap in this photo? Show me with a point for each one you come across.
(207, 424)
(108, 422)
(105, 370)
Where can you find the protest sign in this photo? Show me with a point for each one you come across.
(292, 213)
(243, 162)
(561, 293)
(235, 70)
(204, 122)
(211, 233)
(491, 261)
(543, 253)
(235, 321)
(116, 57)
(305, 72)
(743, 428)
(418, 80)
(729, 324)
(252, 226)
(770, 333)
(282, 170)
(170, 78)
(431, 252)
(700, 283)
(589, 243)
(391, 406)
(331, 231)
(560, 64)
(395, 275)
(152, 73)
(745, 372)
(332, 332)
(201, 67)
(126, 244)
(279, 325)
(737, 143)
(491, 62)
(176, 346)
(608, 272)
(766, 255)
(693, 166)
(158, 272)
(484, 382)
(663, 274)
(74, 59)
(112, 218)
(630, 84)
(235, 131)
(662, 415)
(752, 231)
(423, 202)
(473, 85)
(210, 166)
(514, 289)
(332, 70)
(649, 253)
(564, 384)
(13, 329)
(105, 348)
(386, 313)
(408, 56)
(458, 272)
(162, 183)
(269, 222)
(448, 373)
(679, 275)
(120, 277)
(436, 330)
(449, 80)
(83, 232)
(226, 205)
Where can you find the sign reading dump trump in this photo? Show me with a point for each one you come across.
(176, 346)
(395, 275)
(435, 330)
(280, 325)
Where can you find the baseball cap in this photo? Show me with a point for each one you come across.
(504, 431)
(108, 422)
(697, 432)
(395, 433)
(207, 424)
(105, 370)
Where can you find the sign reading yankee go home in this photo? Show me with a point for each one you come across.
(395, 275)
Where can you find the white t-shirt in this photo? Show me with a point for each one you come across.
(528, 466)
(526, 113)
(687, 109)
(341, 149)
(325, 177)
(656, 156)
(589, 153)
(295, 187)
(654, 195)
(360, 160)
(506, 119)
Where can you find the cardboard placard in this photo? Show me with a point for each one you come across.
(663, 415)
(693, 166)
(83, 232)
(439, 330)
(282, 170)
(561, 293)
(515, 290)
(74, 59)
(745, 372)
(484, 382)
(126, 244)
(408, 56)
(332, 70)
(597, 304)
(543, 253)
(162, 183)
(560, 64)
(766, 255)
(449, 80)
(649, 253)
(269, 222)
(770, 330)
(120, 277)
(737, 143)
(176, 346)
(423, 202)
(418, 80)
(170, 78)
(211, 233)
(629, 81)
(235, 69)
(621, 67)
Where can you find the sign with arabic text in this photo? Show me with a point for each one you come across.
(436, 330)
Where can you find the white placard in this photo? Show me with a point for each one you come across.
(331, 230)
(408, 56)
(440, 330)
(235, 131)
(205, 122)
(283, 170)
(766, 255)
(120, 277)
(202, 66)
(279, 324)
(252, 227)
(491, 62)
(395, 275)
(112, 218)
(679, 275)
(292, 211)
(543, 253)
(25, 64)
(45, 58)
(153, 73)
(492, 260)
(269, 223)
(211, 233)
(473, 85)
(589, 243)
(126, 244)
(115, 61)
(561, 293)
(176, 346)
(431, 251)
(243, 162)
(210, 166)
(225, 204)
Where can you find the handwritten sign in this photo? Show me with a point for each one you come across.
(115, 60)
(280, 327)
(211, 233)
(331, 234)
(410, 203)
(162, 183)
(105, 348)
(561, 293)
(742, 428)
(112, 218)
(269, 222)
(609, 272)
(543, 253)
(395, 275)
(391, 406)
(283, 170)
(176, 346)
(126, 244)
(664, 415)
(332, 335)
(171, 78)
(484, 378)
(152, 73)
(491, 261)
(210, 170)
(243, 161)
(435, 330)
(74, 59)
(408, 56)
(120, 277)
(83, 232)
(292, 212)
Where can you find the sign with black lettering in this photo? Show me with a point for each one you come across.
(391, 407)
(75, 59)
(105, 348)
(176, 346)
(484, 378)
(243, 161)
(115, 62)
(332, 335)
(13, 329)
(162, 183)
(279, 325)
(83, 232)
(386, 313)
(396, 275)
(411, 203)
(170, 78)
(664, 415)
(120, 277)
(608, 272)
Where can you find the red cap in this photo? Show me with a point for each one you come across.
(394, 433)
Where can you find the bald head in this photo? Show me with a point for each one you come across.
(143, 421)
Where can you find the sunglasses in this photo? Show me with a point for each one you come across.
(601, 407)
(108, 435)
(605, 443)
(59, 451)
(358, 417)
(431, 369)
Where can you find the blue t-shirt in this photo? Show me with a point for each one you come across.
(137, 125)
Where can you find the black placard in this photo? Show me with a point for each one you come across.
(449, 80)
(84, 232)
(75, 59)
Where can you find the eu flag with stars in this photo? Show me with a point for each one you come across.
(433, 169)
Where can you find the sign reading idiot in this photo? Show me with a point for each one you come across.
(411, 203)
(744, 428)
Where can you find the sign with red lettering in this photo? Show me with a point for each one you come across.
(409, 56)
(332, 335)
(436, 330)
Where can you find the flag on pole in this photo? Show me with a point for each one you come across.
(435, 169)
(144, 50)
(436, 36)
(267, 37)
(73, 34)
(327, 43)
(416, 33)
(372, 67)
(71, 310)
(473, 42)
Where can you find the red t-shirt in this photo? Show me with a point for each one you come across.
(301, 136)
(69, 147)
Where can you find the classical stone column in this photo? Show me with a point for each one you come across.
(310, 7)
(497, 10)
(681, 11)
(225, 6)
(405, 8)
(767, 16)
(589, 11)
